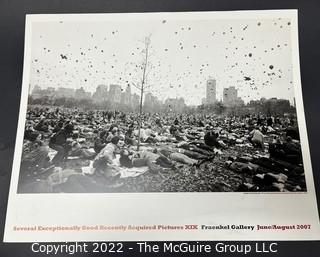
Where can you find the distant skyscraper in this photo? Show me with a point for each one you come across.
(175, 104)
(101, 94)
(122, 97)
(135, 100)
(230, 94)
(80, 93)
(127, 98)
(230, 97)
(115, 93)
(211, 92)
(65, 92)
(36, 90)
(151, 103)
(149, 100)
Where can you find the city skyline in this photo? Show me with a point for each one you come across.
(113, 93)
(240, 53)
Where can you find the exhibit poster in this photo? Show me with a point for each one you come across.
(162, 126)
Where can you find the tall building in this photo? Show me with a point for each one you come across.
(149, 100)
(101, 94)
(65, 92)
(115, 93)
(36, 90)
(230, 97)
(135, 100)
(122, 97)
(275, 105)
(211, 92)
(151, 103)
(127, 96)
(80, 93)
(175, 104)
(270, 106)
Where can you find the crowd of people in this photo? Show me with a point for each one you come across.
(73, 150)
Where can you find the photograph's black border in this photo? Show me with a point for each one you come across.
(12, 25)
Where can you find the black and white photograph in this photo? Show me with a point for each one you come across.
(164, 105)
(133, 126)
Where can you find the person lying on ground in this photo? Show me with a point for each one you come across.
(77, 149)
(288, 151)
(157, 158)
(131, 159)
(175, 155)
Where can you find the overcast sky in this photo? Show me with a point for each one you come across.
(252, 55)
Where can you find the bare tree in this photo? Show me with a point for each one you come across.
(143, 84)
